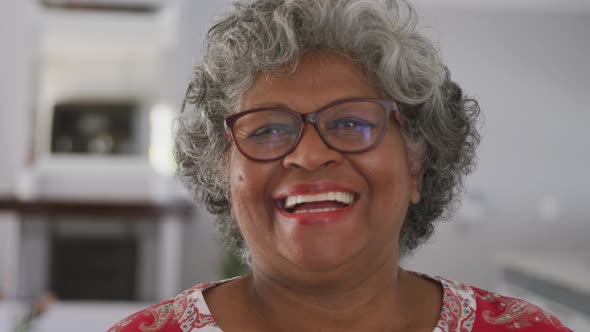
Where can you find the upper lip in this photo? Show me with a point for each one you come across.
(312, 188)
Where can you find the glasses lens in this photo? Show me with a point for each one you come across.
(266, 134)
(353, 126)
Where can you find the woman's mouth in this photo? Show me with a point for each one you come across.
(316, 203)
(316, 208)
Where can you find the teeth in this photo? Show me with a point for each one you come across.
(316, 210)
(341, 197)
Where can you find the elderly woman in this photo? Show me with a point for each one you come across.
(327, 138)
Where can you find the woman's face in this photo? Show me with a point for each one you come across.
(379, 180)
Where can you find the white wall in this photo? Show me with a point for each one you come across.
(201, 247)
(16, 61)
(196, 17)
(531, 74)
(17, 36)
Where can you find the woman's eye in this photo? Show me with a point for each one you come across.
(351, 123)
(271, 131)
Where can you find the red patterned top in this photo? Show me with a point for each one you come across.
(465, 309)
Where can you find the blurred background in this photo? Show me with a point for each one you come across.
(93, 225)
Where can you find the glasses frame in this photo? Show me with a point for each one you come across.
(389, 106)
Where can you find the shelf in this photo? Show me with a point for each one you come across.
(96, 208)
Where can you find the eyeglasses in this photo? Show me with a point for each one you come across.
(350, 125)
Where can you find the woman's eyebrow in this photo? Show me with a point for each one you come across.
(268, 104)
(278, 104)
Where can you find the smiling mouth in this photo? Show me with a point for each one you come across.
(317, 203)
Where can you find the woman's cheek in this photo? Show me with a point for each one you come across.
(247, 192)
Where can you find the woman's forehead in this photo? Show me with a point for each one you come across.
(318, 80)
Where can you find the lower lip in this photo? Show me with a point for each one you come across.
(315, 218)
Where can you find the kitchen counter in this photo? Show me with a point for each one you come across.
(561, 279)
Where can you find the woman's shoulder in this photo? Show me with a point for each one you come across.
(186, 311)
(159, 317)
(470, 308)
(495, 310)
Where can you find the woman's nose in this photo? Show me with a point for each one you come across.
(311, 153)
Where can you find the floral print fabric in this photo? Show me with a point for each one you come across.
(465, 309)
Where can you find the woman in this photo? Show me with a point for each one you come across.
(327, 137)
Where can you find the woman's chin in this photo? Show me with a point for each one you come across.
(315, 265)
(319, 257)
(320, 247)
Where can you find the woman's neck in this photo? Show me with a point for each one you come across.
(361, 301)
(371, 295)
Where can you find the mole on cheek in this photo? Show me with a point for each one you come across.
(236, 175)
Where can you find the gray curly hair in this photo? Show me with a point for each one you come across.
(382, 37)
